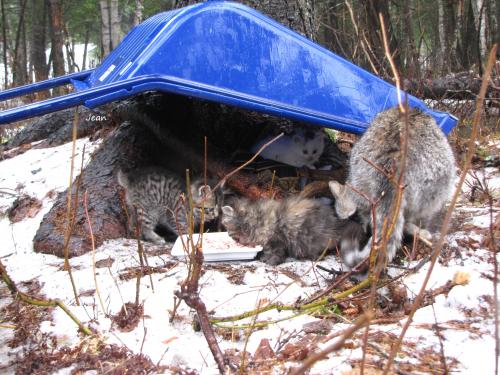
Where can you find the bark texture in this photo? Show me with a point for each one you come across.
(56, 128)
(127, 145)
(39, 42)
(56, 36)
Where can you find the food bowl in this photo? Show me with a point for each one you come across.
(217, 247)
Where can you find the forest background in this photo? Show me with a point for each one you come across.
(430, 39)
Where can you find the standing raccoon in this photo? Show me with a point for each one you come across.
(429, 176)
(153, 195)
(296, 227)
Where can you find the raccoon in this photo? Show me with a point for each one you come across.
(153, 195)
(297, 227)
(429, 176)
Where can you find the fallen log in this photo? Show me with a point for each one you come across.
(458, 86)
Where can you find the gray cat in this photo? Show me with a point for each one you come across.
(296, 227)
(429, 176)
(153, 195)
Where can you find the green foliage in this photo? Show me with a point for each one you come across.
(152, 7)
(332, 134)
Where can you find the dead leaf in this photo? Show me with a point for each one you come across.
(264, 351)
(23, 207)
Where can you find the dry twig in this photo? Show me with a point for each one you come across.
(85, 206)
(71, 211)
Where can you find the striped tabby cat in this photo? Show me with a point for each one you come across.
(153, 201)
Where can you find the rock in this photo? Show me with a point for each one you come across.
(321, 327)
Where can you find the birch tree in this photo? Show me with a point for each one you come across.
(114, 21)
(139, 7)
(105, 27)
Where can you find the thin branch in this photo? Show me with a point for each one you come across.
(71, 212)
(355, 25)
(85, 206)
(437, 328)
(395, 73)
(226, 177)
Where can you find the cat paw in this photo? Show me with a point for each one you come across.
(272, 259)
(425, 234)
(153, 237)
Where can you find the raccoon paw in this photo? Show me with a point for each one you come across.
(415, 230)
(425, 234)
(352, 257)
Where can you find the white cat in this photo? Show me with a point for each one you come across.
(300, 148)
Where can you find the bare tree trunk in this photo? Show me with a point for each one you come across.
(459, 14)
(450, 20)
(412, 64)
(446, 35)
(25, 62)
(19, 74)
(39, 41)
(115, 24)
(69, 45)
(5, 45)
(56, 37)
(85, 46)
(495, 14)
(105, 28)
(479, 23)
(138, 12)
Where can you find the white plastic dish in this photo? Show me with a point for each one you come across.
(218, 247)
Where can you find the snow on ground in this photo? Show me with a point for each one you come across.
(464, 316)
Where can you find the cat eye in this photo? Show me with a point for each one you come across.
(315, 151)
(305, 152)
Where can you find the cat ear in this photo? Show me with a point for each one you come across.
(204, 191)
(336, 188)
(228, 210)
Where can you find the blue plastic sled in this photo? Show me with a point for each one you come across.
(229, 53)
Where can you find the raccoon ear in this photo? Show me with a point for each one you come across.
(336, 188)
(228, 210)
